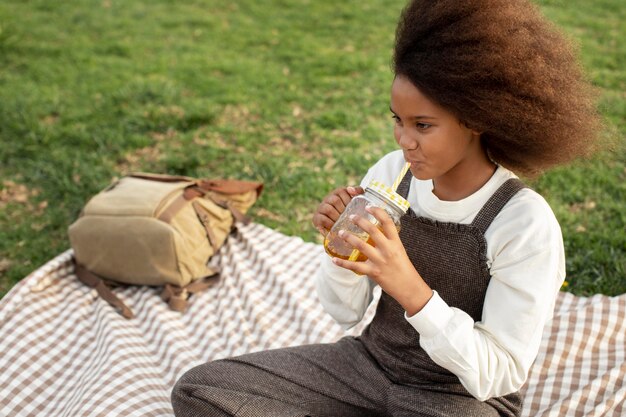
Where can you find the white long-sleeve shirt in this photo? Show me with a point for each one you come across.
(526, 260)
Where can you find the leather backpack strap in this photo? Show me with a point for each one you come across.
(237, 215)
(179, 202)
(176, 297)
(231, 186)
(94, 281)
(202, 284)
(227, 187)
(204, 219)
(192, 192)
(201, 188)
(161, 177)
(224, 186)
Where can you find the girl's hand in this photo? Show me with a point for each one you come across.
(332, 206)
(387, 262)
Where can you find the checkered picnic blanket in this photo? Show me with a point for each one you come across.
(66, 352)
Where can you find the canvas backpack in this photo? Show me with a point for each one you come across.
(157, 230)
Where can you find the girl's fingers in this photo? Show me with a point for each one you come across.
(358, 244)
(361, 268)
(387, 225)
(333, 205)
(354, 191)
(341, 198)
(322, 221)
(330, 211)
(372, 229)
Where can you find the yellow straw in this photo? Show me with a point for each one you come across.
(401, 175)
(355, 254)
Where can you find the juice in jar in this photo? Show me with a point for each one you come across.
(332, 241)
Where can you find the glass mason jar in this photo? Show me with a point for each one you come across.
(376, 194)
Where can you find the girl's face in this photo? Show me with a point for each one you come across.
(433, 140)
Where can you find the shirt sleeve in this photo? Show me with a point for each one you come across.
(343, 294)
(492, 357)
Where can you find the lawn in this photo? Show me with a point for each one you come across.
(292, 93)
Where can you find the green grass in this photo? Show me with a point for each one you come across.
(293, 93)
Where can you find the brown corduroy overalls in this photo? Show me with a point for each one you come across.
(383, 372)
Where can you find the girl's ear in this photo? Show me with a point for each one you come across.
(474, 130)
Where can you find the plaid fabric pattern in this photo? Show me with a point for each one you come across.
(66, 352)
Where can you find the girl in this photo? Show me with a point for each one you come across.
(482, 89)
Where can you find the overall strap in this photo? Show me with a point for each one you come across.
(492, 207)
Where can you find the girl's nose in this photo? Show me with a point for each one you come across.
(406, 141)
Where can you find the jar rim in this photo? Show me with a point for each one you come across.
(388, 194)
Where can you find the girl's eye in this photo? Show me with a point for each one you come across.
(396, 119)
(422, 126)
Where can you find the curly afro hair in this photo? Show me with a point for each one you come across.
(504, 70)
